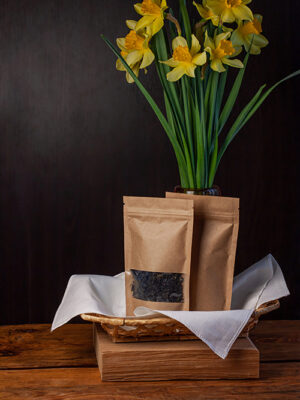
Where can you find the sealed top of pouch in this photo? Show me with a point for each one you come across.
(157, 205)
(157, 240)
(210, 204)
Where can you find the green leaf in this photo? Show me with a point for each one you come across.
(221, 89)
(172, 124)
(186, 21)
(233, 95)
(235, 127)
(268, 92)
(204, 167)
(213, 163)
(187, 115)
(170, 87)
(211, 106)
(200, 163)
(249, 110)
(207, 93)
(172, 31)
(179, 131)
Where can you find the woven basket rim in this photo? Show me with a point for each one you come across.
(162, 320)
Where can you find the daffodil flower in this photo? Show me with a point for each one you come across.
(230, 10)
(135, 50)
(184, 60)
(152, 12)
(206, 13)
(220, 50)
(248, 34)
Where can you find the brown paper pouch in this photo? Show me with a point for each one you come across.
(157, 243)
(216, 222)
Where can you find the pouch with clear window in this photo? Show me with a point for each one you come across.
(157, 242)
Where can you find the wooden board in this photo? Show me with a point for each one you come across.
(152, 361)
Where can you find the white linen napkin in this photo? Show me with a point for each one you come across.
(105, 295)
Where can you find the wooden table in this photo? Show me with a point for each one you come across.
(37, 364)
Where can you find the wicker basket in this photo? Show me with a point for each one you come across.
(160, 328)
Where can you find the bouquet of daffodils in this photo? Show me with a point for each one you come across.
(192, 62)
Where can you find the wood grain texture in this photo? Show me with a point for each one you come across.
(162, 361)
(278, 381)
(75, 138)
(71, 346)
(277, 340)
(33, 346)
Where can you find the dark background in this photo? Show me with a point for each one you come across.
(75, 137)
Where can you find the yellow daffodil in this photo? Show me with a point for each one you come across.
(230, 10)
(249, 34)
(220, 50)
(184, 60)
(135, 50)
(206, 13)
(152, 12)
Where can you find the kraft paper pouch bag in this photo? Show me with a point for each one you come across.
(158, 242)
(216, 222)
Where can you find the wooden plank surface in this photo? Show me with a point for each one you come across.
(37, 364)
(33, 346)
(278, 381)
(277, 340)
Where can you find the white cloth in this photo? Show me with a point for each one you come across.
(105, 295)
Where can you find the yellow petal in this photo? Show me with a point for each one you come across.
(208, 42)
(220, 37)
(163, 5)
(255, 50)
(200, 58)
(176, 73)
(227, 15)
(144, 21)
(147, 59)
(260, 40)
(131, 24)
(134, 57)
(208, 50)
(171, 63)
(138, 8)
(135, 69)
(179, 41)
(215, 19)
(201, 10)
(158, 23)
(233, 63)
(120, 66)
(190, 70)
(195, 47)
(242, 13)
(237, 51)
(237, 38)
(121, 43)
(217, 65)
